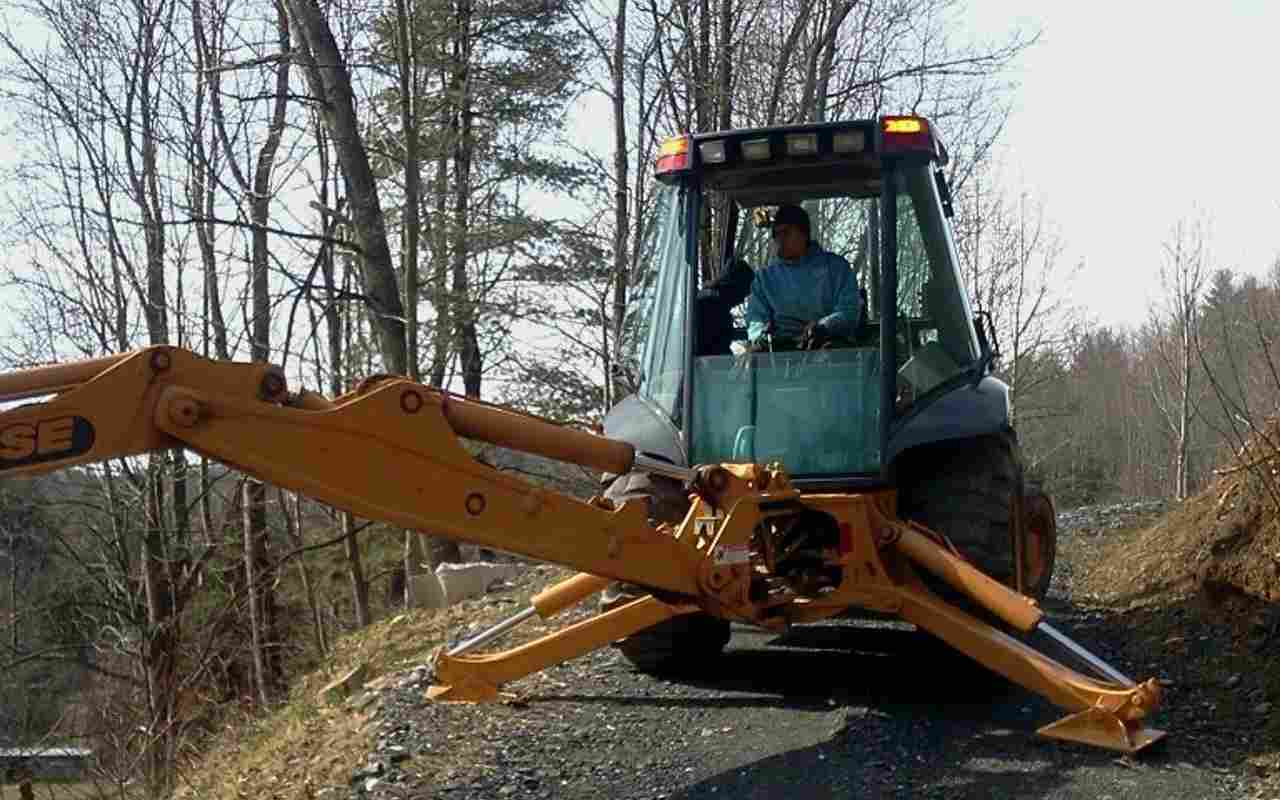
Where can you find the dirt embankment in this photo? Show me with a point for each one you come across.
(1195, 587)
(1224, 542)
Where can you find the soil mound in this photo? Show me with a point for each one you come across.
(1224, 542)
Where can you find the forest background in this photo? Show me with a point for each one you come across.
(346, 189)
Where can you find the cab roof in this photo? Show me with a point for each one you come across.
(789, 163)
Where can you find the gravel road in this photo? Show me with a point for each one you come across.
(832, 710)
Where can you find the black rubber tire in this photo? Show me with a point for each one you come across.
(965, 489)
(682, 644)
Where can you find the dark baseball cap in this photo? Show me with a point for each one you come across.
(791, 215)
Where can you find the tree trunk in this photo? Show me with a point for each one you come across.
(613, 375)
(201, 196)
(465, 329)
(412, 183)
(440, 345)
(258, 570)
(702, 89)
(409, 121)
(724, 68)
(826, 59)
(294, 519)
(254, 505)
(330, 81)
(1184, 411)
(159, 647)
(355, 568)
(784, 59)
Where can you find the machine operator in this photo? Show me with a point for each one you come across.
(806, 296)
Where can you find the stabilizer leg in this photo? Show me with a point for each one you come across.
(1108, 715)
(477, 678)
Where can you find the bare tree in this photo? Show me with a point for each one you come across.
(325, 67)
(1173, 326)
(1011, 261)
(681, 65)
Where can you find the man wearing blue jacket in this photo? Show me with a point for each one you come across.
(805, 295)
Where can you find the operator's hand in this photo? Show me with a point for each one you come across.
(744, 361)
(814, 336)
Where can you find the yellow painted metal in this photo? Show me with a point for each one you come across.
(1101, 728)
(390, 451)
(390, 455)
(54, 378)
(875, 576)
(1017, 610)
(387, 454)
(1125, 706)
(478, 678)
(474, 419)
(114, 412)
(567, 593)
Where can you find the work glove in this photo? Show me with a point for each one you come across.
(814, 336)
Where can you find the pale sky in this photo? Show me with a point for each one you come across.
(1131, 115)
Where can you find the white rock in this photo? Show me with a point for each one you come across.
(428, 591)
(453, 583)
(463, 581)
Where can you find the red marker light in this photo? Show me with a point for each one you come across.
(673, 155)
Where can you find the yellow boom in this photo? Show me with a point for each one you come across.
(390, 451)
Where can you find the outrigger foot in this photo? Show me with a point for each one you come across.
(1102, 728)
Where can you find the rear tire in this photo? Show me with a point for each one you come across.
(972, 491)
(680, 644)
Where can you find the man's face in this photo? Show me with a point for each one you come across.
(792, 241)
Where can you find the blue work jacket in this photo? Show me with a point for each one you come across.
(817, 286)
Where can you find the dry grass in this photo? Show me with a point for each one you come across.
(54, 790)
(304, 746)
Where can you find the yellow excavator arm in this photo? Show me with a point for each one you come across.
(391, 451)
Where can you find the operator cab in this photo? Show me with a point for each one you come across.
(826, 414)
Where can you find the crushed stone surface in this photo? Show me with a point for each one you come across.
(841, 709)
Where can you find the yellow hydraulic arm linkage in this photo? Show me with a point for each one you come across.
(390, 451)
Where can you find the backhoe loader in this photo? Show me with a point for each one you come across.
(809, 483)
